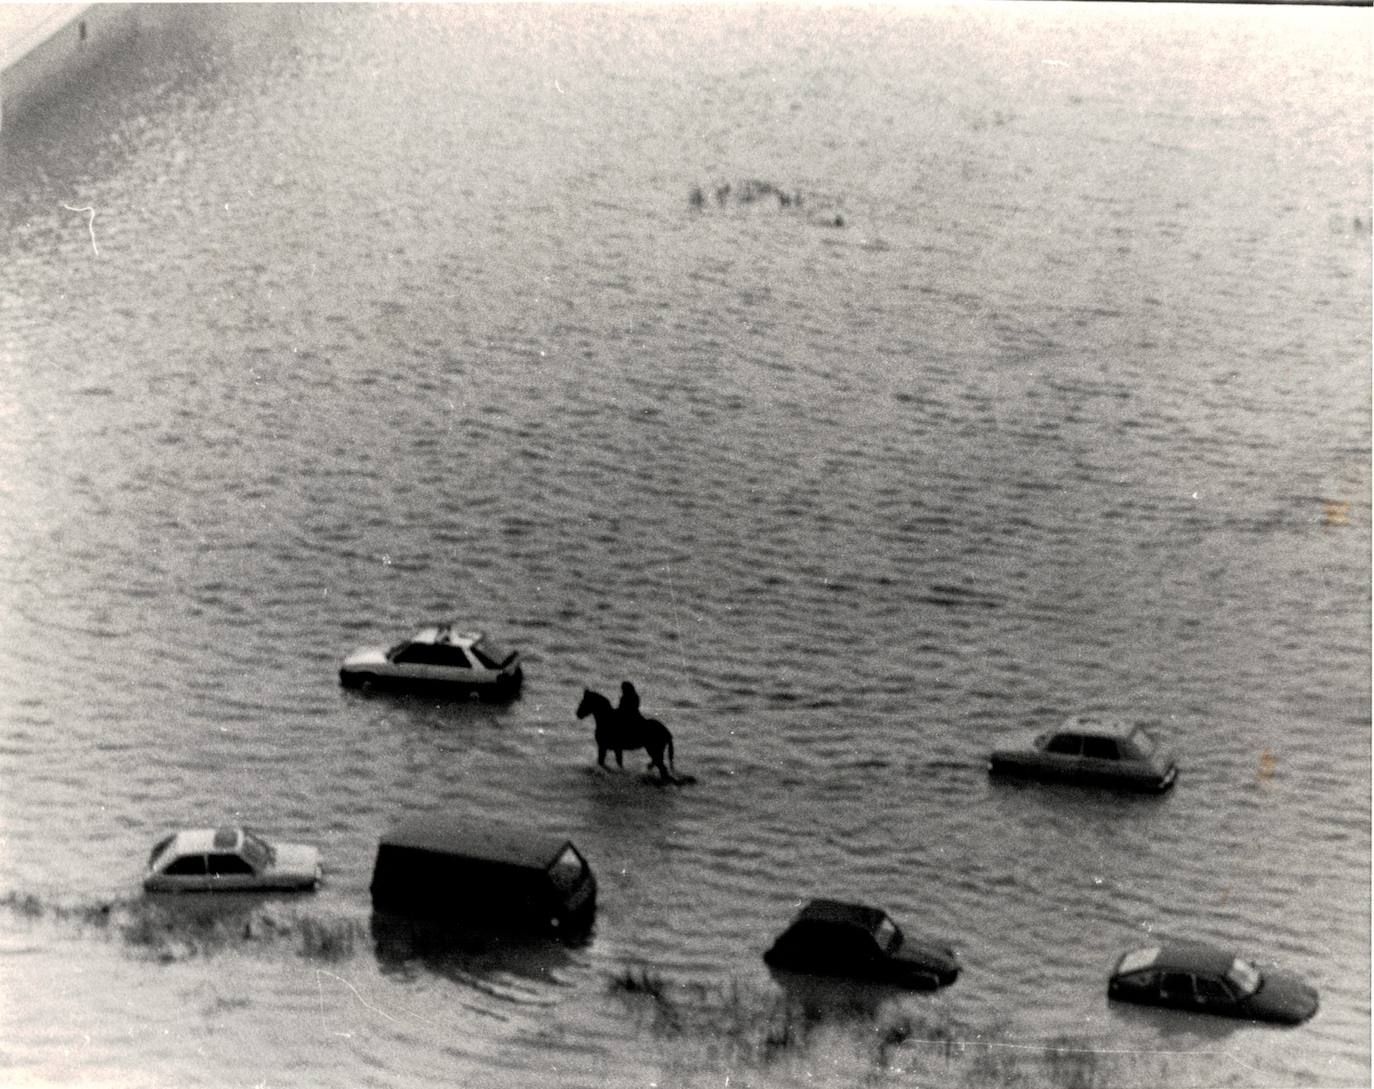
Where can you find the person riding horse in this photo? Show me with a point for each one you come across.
(628, 708)
(624, 728)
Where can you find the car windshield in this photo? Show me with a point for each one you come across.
(161, 846)
(1143, 741)
(566, 870)
(1244, 976)
(490, 653)
(887, 935)
(256, 850)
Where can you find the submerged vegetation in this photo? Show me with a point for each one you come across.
(756, 1033)
(784, 1036)
(176, 929)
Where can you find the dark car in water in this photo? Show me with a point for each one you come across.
(1088, 749)
(1206, 979)
(471, 873)
(835, 938)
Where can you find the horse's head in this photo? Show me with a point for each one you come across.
(590, 702)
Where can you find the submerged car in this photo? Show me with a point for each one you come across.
(230, 859)
(437, 655)
(1092, 750)
(830, 937)
(1207, 979)
(461, 873)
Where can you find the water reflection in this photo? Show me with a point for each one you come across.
(816, 999)
(1180, 1029)
(480, 958)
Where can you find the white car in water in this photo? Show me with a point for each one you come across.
(230, 859)
(437, 655)
(1090, 749)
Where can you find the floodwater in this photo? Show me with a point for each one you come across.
(1046, 390)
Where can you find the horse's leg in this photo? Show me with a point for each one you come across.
(656, 761)
(620, 758)
(601, 755)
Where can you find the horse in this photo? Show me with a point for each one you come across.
(615, 735)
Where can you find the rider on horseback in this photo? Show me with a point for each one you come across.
(628, 707)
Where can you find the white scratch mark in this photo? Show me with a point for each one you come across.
(320, 972)
(90, 224)
(558, 88)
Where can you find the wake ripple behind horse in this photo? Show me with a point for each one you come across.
(614, 734)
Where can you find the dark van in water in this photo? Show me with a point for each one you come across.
(452, 871)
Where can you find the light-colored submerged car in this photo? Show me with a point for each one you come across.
(1205, 979)
(230, 859)
(438, 655)
(1088, 749)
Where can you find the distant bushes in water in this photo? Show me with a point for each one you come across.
(739, 1026)
(171, 929)
(756, 191)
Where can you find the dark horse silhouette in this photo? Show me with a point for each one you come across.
(614, 734)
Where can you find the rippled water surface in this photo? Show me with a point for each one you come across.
(1045, 391)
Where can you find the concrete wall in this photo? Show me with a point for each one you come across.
(47, 47)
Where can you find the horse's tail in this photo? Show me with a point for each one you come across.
(670, 747)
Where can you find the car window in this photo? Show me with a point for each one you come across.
(1100, 748)
(852, 941)
(1211, 990)
(452, 657)
(887, 935)
(187, 866)
(1065, 744)
(228, 865)
(417, 654)
(1176, 986)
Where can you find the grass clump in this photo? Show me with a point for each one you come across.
(171, 928)
(747, 1031)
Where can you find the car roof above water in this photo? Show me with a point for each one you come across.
(208, 840)
(449, 835)
(1096, 726)
(1178, 956)
(446, 635)
(841, 913)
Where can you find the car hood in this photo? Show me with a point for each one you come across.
(295, 858)
(1283, 997)
(366, 656)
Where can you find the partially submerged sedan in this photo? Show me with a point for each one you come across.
(830, 937)
(437, 655)
(1206, 979)
(230, 859)
(1088, 749)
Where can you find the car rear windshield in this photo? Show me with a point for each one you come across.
(1143, 741)
(1244, 976)
(491, 653)
(256, 850)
